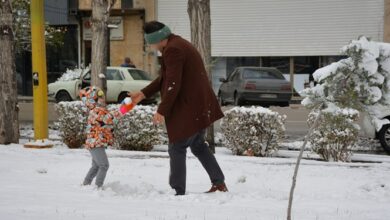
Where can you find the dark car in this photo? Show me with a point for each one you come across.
(262, 85)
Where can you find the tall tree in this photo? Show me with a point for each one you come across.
(100, 15)
(9, 121)
(200, 24)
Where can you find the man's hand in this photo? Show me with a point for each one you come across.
(158, 118)
(136, 97)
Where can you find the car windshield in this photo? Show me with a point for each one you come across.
(87, 76)
(261, 74)
(138, 74)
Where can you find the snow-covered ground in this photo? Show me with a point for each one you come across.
(45, 184)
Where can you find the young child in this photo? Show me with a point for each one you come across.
(99, 133)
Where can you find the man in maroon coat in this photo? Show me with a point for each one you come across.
(188, 105)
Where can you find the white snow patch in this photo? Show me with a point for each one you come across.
(45, 184)
(72, 74)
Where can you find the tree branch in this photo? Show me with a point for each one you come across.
(290, 200)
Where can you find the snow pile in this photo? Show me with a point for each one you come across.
(335, 136)
(360, 82)
(135, 130)
(72, 122)
(253, 131)
(72, 74)
(132, 131)
(40, 143)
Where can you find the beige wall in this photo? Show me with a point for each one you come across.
(139, 4)
(150, 59)
(87, 5)
(386, 27)
(133, 43)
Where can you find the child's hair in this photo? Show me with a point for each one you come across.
(92, 96)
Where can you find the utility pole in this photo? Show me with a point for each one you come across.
(39, 76)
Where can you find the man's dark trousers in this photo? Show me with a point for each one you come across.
(199, 147)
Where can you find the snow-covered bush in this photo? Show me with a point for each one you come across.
(360, 82)
(253, 131)
(335, 136)
(72, 122)
(132, 131)
(135, 130)
(219, 139)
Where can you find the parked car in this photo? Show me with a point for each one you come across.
(120, 81)
(263, 85)
(368, 129)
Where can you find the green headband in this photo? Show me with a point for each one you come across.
(158, 36)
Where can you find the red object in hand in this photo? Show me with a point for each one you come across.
(126, 106)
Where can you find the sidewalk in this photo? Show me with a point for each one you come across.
(26, 111)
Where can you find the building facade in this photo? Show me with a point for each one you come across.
(126, 39)
(296, 36)
(72, 17)
(60, 56)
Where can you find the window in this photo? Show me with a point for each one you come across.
(232, 76)
(234, 62)
(113, 74)
(261, 74)
(60, 56)
(281, 63)
(237, 75)
(87, 76)
(305, 65)
(138, 74)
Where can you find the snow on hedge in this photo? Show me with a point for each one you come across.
(360, 82)
(72, 122)
(132, 131)
(335, 136)
(135, 130)
(253, 131)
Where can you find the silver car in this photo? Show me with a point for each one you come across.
(262, 85)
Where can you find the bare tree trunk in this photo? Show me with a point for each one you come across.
(100, 14)
(9, 121)
(290, 200)
(200, 22)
